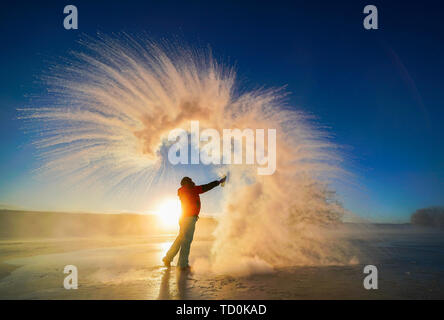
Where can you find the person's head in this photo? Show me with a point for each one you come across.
(186, 181)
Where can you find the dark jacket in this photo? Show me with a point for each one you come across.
(190, 199)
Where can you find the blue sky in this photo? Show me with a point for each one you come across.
(380, 92)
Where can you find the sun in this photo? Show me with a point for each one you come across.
(168, 212)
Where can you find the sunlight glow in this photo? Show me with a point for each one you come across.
(168, 212)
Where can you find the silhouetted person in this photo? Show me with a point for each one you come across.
(190, 201)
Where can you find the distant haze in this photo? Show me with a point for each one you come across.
(29, 224)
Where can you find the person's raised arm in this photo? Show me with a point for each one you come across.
(211, 185)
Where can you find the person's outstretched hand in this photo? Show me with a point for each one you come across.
(223, 179)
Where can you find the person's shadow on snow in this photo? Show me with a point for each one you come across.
(181, 281)
(164, 289)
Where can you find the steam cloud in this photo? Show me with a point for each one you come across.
(117, 101)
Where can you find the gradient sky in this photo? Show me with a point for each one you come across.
(379, 92)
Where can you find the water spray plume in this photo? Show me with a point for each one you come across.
(112, 106)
